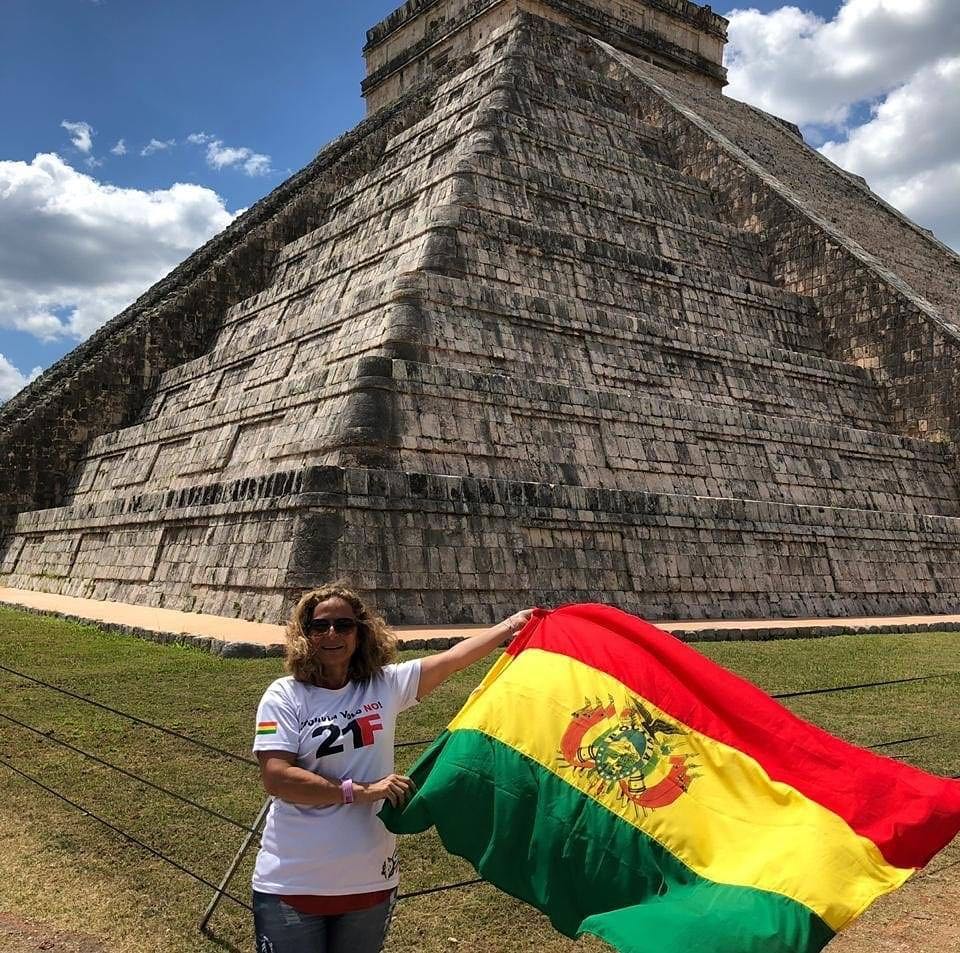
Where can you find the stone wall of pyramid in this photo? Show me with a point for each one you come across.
(561, 327)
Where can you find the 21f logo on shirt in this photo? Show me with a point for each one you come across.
(363, 731)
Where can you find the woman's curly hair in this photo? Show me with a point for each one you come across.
(376, 644)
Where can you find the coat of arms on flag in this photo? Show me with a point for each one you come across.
(640, 756)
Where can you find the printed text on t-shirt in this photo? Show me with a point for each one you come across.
(362, 729)
(333, 716)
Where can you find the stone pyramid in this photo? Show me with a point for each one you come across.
(558, 321)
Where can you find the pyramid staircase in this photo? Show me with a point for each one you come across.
(528, 354)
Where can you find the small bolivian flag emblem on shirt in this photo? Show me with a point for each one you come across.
(266, 727)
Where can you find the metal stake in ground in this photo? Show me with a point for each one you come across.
(232, 869)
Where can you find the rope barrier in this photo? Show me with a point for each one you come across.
(440, 889)
(220, 890)
(154, 725)
(124, 834)
(903, 741)
(48, 736)
(404, 744)
(846, 688)
(134, 718)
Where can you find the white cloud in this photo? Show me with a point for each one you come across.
(914, 127)
(220, 156)
(75, 251)
(156, 145)
(878, 85)
(813, 71)
(909, 151)
(81, 134)
(12, 380)
(120, 149)
(257, 164)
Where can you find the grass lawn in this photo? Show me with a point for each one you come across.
(65, 870)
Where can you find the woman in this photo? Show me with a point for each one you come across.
(327, 870)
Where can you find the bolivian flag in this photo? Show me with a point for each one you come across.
(630, 788)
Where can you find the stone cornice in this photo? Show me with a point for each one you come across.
(702, 16)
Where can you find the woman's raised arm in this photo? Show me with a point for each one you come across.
(435, 669)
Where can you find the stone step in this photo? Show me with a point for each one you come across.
(497, 252)
(567, 127)
(601, 435)
(569, 82)
(411, 541)
(538, 141)
(291, 420)
(552, 148)
(291, 335)
(588, 192)
(549, 337)
(258, 424)
(638, 251)
(533, 97)
(660, 556)
(455, 421)
(336, 249)
(502, 185)
(341, 258)
(655, 185)
(533, 335)
(413, 163)
(417, 146)
(898, 243)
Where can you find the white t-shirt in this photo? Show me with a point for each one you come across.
(343, 733)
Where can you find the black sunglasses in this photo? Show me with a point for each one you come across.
(322, 626)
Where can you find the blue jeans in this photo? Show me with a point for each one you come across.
(279, 928)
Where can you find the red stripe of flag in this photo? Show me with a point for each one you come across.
(908, 814)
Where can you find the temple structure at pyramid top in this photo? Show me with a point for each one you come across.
(421, 40)
(558, 321)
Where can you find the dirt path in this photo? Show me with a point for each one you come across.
(260, 633)
(19, 936)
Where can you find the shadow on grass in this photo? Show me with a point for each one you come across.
(219, 941)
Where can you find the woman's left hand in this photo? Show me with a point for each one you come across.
(518, 620)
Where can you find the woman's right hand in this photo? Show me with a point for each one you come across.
(395, 788)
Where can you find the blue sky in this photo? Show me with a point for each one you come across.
(235, 95)
(280, 77)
